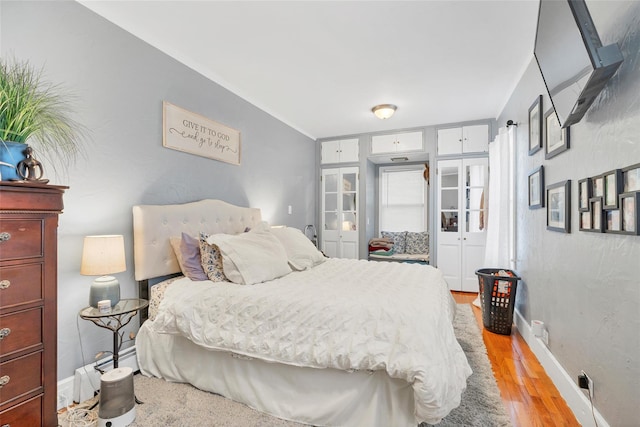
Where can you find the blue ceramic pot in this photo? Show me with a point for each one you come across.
(11, 153)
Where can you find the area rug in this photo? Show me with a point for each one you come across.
(181, 405)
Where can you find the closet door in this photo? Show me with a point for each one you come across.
(349, 213)
(449, 235)
(330, 212)
(340, 212)
(474, 231)
(462, 185)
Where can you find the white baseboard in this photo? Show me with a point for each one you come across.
(575, 397)
(65, 392)
(86, 381)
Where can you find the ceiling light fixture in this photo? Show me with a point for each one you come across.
(384, 111)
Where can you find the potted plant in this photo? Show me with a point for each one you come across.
(36, 112)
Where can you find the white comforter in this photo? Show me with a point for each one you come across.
(343, 314)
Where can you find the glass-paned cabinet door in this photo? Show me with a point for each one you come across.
(475, 189)
(330, 202)
(449, 197)
(349, 201)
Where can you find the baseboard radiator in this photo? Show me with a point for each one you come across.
(87, 378)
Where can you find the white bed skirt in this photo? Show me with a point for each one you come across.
(320, 397)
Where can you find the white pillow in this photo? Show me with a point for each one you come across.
(253, 257)
(302, 254)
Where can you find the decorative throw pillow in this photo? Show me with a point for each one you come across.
(417, 242)
(399, 240)
(301, 253)
(253, 257)
(211, 259)
(192, 261)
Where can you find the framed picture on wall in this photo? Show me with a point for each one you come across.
(629, 206)
(631, 178)
(597, 186)
(536, 188)
(613, 221)
(585, 221)
(559, 207)
(596, 214)
(556, 139)
(612, 188)
(584, 193)
(535, 126)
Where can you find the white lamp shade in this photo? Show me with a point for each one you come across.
(384, 111)
(103, 255)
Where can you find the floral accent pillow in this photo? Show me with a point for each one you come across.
(417, 242)
(399, 240)
(157, 294)
(211, 259)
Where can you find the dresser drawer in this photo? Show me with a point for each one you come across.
(20, 284)
(27, 414)
(20, 238)
(20, 331)
(20, 377)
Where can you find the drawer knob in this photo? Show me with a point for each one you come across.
(4, 380)
(4, 236)
(4, 332)
(4, 284)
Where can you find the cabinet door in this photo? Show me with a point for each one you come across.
(349, 213)
(449, 141)
(410, 141)
(340, 212)
(349, 150)
(383, 144)
(473, 225)
(330, 230)
(330, 152)
(462, 186)
(475, 139)
(449, 212)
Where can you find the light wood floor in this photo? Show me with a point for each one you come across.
(528, 394)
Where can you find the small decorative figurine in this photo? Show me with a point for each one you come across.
(30, 169)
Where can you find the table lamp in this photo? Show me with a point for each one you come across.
(101, 256)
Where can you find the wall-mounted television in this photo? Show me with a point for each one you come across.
(574, 64)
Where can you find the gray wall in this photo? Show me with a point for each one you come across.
(120, 83)
(586, 286)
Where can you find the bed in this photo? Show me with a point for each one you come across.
(331, 342)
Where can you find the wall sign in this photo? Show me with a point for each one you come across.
(195, 134)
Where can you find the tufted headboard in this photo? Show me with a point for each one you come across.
(153, 225)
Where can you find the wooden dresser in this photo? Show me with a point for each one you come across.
(28, 303)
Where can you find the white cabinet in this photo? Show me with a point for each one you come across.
(462, 140)
(340, 212)
(396, 143)
(339, 151)
(462, 187)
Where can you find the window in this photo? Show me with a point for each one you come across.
(403, 199)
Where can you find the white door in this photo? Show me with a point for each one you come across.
(449, 141)
(462, 188)
(475, 139)
(330, 230)
(349, 150)
(349, 213)
(449, 243)
(330, 152)
(410, 141)
(340, 212)
(475, 180)
(383, 144)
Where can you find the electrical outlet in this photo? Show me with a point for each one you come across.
(545, 337)
(584, 381)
